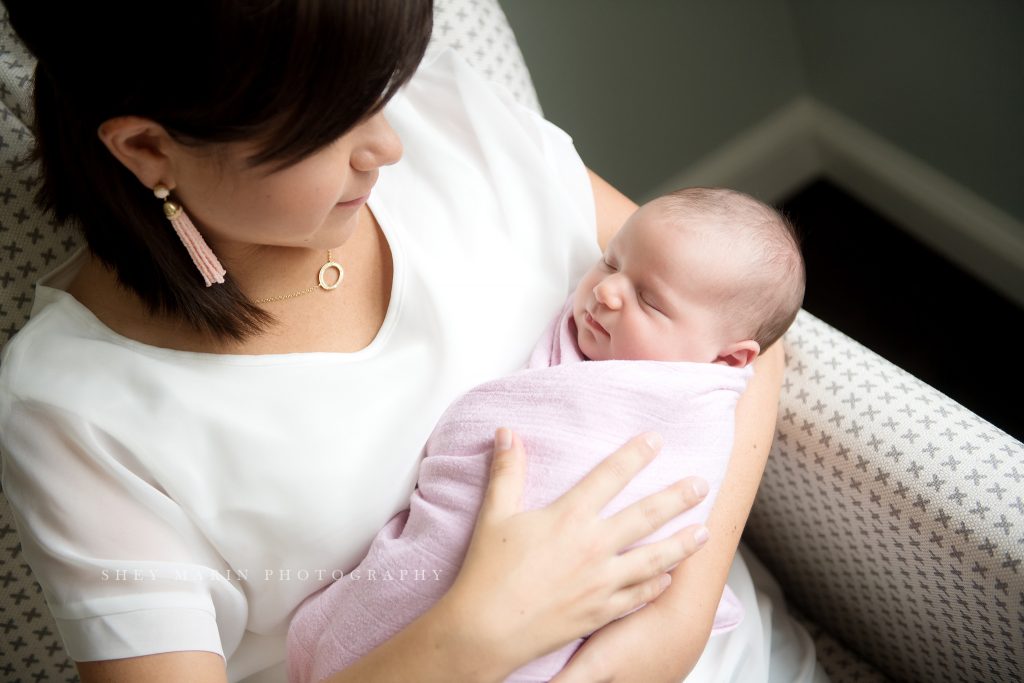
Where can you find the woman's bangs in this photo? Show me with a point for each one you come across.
(345, 61)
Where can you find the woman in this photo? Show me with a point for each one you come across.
(248, 435)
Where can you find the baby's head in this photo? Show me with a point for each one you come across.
(705, 275)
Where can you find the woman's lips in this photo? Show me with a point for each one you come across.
(358, 201)
(596, 325)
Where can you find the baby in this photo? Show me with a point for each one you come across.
(687, 294)
(704, 275)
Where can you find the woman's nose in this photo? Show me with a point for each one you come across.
(608, 292)
(378, 145)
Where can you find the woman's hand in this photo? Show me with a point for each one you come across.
(534, 581)
(630, 650)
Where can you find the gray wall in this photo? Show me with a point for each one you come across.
(646, 87)
(942, 79)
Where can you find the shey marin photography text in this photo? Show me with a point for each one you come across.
(289, 574)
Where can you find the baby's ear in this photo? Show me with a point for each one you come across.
(739, 355)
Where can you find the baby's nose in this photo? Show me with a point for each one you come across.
(607, 294)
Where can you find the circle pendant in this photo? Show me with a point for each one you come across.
(323, 270)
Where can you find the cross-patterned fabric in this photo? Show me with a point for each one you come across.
(479, 31)
(891, 515)
(30, 243)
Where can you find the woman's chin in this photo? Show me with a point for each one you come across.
(334, 237)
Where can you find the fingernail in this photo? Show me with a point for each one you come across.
(503, 439)
(701, 536)
(666, 581)
(653, 440)
(700, 487)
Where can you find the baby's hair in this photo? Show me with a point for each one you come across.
(768, 296)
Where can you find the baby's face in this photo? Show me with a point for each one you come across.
(651, 296)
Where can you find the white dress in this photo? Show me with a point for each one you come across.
(171, 500)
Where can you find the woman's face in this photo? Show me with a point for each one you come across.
(312, 204)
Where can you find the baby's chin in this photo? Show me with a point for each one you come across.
(587, 348)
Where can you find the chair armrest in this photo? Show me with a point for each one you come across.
(892, 516)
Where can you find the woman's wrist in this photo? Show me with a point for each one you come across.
(443, 644)
(477, 650)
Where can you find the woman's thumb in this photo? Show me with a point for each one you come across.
(508, 473)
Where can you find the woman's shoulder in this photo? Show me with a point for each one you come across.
(115, 313)
(71, 351)
(71, 306)
(496, 174)
(53, 354)
(465, 107)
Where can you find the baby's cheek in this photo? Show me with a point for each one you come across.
(633, 346)
(579, 296)
(587, 342)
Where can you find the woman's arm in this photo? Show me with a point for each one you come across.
(612, 208)
(429, 649)
(531, 581)
(663, 641)
(534, 581)
(166, 667)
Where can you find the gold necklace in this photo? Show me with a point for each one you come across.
(322, 284)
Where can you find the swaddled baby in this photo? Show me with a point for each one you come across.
(687, 294)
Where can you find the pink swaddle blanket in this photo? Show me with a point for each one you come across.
(569, 415)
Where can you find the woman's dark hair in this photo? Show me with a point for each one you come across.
(292, 75)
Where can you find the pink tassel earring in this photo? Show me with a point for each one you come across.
(204, 258)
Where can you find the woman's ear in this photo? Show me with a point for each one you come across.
(740, 354)
(142, 145)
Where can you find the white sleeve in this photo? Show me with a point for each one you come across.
(569, 174)
(529, 164)
(557, 148)
(122, 568)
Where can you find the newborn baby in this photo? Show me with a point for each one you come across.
(687, 294)
(702, 275)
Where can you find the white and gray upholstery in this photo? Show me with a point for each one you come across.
(30, 245)
(892, 517)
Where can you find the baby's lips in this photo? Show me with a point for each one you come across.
(596, 325)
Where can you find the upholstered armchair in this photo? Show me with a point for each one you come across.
(892, 517)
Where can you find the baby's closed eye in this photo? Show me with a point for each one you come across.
(646, 300)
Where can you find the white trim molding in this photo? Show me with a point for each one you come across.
(807, 139)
